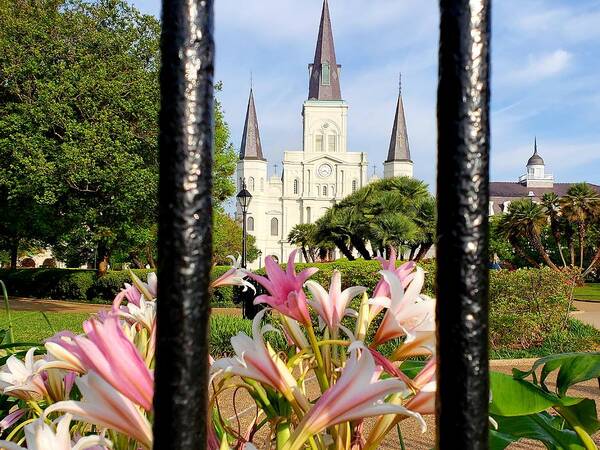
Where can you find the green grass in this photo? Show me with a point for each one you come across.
(590, 292)
(31, 326)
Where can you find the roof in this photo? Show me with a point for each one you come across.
(399, 149)
(508, 191)
(325, 54)
(251, 147)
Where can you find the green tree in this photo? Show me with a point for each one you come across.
(304, 236)
(227, 240)
(79, 129)
(581, 206)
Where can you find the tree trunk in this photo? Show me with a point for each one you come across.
(360, 247)
(150, 257)
(537, 243)
(595, 261)
(305, 254)
(557, 239)
(413, 251)
(581, 227)
(569, 237)
(424, 248)
(522, 253)
(14, 253)
(135, 260)
(344, 249)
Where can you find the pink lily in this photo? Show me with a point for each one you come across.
(41, 436)
(405, 273)
(357, 394)
(285, 288)
(332, 306)
(11, 418)
(425, 381)
(106, 350)
(233, 277)
(406, 310)
(256, 359)
(104, 406)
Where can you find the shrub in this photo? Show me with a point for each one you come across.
(84, 285)
(527, 306)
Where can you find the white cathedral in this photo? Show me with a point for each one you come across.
(323, 172)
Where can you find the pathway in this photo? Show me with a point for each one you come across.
(588, 312)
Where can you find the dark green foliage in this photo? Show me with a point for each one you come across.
(85, 285)
(223, 328)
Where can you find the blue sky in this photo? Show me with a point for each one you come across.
(545, 77)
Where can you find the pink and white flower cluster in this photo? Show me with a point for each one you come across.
(95, 390)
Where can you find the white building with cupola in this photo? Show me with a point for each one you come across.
(323, 171)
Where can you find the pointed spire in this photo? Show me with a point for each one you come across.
(399, 149)
(324, 75)
(536, 159)
(251, 147)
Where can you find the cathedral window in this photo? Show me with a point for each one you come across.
(319, 143)
(250, 224)
(325, 74)
(296, 186)
(331, 143)
(324, 191)
(251, 183)
(274, 226)
(354, 185)
(308, 214)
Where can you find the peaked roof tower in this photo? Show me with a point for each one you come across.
(324, 71)
(535, 159)
(251, 147)
(399, 149)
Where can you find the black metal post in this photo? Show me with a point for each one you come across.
(185, 222)
(462, 248)
(244, 237)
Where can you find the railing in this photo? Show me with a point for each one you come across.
(545, 177)
(185, 224)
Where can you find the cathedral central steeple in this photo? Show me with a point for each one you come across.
(324, 71)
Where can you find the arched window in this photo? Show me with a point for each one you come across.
(308, 187)
(251, 183)
(325, 74)
(354, 185)
(250, 224)
(342, 182)
(324, 191)
(296, 186)
(274, 226)
(262, 184)
(308, 214)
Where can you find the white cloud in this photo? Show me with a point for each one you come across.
(542, 66)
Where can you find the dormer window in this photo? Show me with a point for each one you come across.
(325, 74)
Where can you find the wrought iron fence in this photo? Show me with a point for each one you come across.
(185, 224)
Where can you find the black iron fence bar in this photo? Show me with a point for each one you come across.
(462, 195)
(185, 222)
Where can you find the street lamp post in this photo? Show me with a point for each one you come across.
(243, 199)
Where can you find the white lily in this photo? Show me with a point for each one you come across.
(41, 436)
(21, 379)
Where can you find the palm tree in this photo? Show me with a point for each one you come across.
(580, 206)
(551, 203)
(329, 229)
(526, 219)
(303, 236)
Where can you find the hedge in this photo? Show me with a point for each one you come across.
(85, 285)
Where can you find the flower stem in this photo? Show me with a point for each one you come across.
(320, 369)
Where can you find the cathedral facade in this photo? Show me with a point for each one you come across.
(313, 179)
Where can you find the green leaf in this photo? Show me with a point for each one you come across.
(540, 427)
(411, 368)
(512, 397)
(573, 368)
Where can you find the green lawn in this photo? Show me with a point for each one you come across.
(591, 291)
(31, 326)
